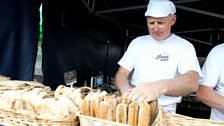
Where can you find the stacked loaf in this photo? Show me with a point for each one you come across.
(119, 109)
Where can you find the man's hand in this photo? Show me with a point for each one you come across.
(146, 91)
(125, 90)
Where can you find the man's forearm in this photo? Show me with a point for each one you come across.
(121, 81)
(210, 97)
(182, 85)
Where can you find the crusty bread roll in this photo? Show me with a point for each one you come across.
(73, 105)
(19, 105)
(84, 91)
(144, 117)
(59, 91)
(121, 113)
(51, 107)
(133, 113)
(34, 96)
(8, 99)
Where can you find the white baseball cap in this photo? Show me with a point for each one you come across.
(160, 8)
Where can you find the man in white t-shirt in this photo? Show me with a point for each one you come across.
(165, 65)
(211, 87)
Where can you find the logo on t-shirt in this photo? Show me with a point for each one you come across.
(162, 57)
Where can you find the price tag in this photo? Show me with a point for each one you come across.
(70, 77)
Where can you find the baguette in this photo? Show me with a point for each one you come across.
(126, 101)
(121, 113)
(144, 117)
(133, 113)
(112, 109)
(119, 100)
(85, 107)
(153, 109)
(94, 106)
(103, 110)
(108, 98)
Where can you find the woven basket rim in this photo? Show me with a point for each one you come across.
(178, 118)
(100, 120)
(30, 119)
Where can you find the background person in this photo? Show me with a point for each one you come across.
(211, 87)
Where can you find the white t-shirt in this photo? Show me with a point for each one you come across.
(155, 60)
(213, 73)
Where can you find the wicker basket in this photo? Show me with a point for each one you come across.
(162, 119)
(21, 119)
(91, 121)
(181, 120)
(167, 119)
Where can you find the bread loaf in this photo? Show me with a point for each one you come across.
(133, 113)
(121, 113)
(103, 110)
(94, 107)
(144, 117)
(119, 100)
(126, 101)
(112, 104)
(51, 107)
(68, 99)
(85, 107)
(153, 109)
(59, 91)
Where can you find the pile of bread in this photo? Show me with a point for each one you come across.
(119, 109)
(35, 99)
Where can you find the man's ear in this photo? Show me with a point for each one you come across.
(174, 17)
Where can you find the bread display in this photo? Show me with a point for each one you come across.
(20, 85)
(37, 100)
(119, 109)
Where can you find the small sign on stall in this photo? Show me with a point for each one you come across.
(70, 78)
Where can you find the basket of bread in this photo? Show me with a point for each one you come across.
(103, 109)
(29, 103)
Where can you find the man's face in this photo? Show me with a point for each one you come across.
(160, 28)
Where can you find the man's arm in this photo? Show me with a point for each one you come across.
(182, 85)
(179, 86)
(121, 79)
(211, 98)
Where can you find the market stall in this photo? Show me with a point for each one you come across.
(30, 103)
